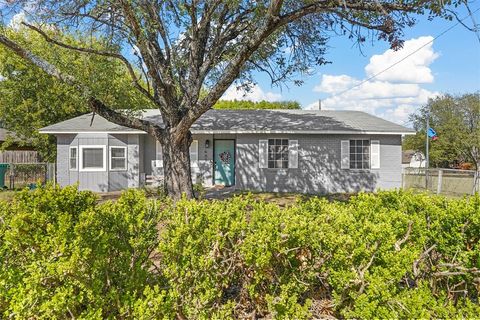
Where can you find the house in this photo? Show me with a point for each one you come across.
(307, 151)
(16, 152)
(413, 159)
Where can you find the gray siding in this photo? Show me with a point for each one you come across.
(318, 164)
(99, 181)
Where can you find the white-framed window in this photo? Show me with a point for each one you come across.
(118, 158)
(93, 158)
(277, 153)
(360, 154)
(73, 158)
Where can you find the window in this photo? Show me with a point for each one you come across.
(92, 158)
(359, 154)
(118, 158)
(73, 158)
(278, 153)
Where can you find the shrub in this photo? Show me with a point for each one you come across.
(64, 256)
(386, 255)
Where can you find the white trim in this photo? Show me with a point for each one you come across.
(103, 147)
(242, 132)
(92, 132)
(110, 158)
(300, 132)
(70, 158)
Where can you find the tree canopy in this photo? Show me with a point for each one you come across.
(31, 99)
(456, 119)
(183, 48)
(246, 105)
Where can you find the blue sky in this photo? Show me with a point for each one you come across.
(451, 64)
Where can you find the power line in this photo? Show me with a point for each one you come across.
(404, 58)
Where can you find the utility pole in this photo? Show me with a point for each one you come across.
(427, 159)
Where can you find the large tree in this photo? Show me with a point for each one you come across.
(31, 99)
(456, 119)
(192, 46)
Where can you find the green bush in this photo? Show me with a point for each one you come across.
(389, 255)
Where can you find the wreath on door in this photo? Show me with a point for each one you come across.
(225, 157)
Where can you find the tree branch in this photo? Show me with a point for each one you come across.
(118, 56)
(96, 105)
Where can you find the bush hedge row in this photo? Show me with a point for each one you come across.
(386, 255)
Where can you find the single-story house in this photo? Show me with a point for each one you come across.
(309, 151)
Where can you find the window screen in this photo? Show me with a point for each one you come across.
(92, 158)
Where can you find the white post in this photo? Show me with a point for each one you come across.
(439, 182)
(476, 182)
(427, 158)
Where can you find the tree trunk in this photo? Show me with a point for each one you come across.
(176, 165)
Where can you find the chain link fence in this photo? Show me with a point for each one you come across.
(21, 175)
(449, 182)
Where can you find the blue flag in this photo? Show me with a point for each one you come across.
(432, 134)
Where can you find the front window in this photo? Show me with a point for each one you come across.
(359, 154)
(118, 158)
(278, 153)
(92, 158)
(73, 158)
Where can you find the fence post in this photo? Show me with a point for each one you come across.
(439, 182)
(12, 176)
(476, 182)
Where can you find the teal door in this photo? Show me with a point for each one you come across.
(224, 157)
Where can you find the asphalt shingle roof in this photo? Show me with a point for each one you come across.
(251, 121)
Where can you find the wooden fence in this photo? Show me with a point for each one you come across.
(19, 156)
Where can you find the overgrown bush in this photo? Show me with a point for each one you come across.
(389, 255)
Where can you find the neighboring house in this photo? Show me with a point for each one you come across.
(263, 150)
(413, 159)
(15, 153)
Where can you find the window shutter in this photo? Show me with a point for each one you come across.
(375, 154)
(293, 154)
(345, 154)
(158, 162)
(263, 153)
(194, 153)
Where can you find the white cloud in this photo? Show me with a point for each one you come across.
(393, 95)
(17, 19)
(414, 69)
(254, 94)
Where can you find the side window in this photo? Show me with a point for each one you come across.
(73, 158)
(278, 153)
(118, 158)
